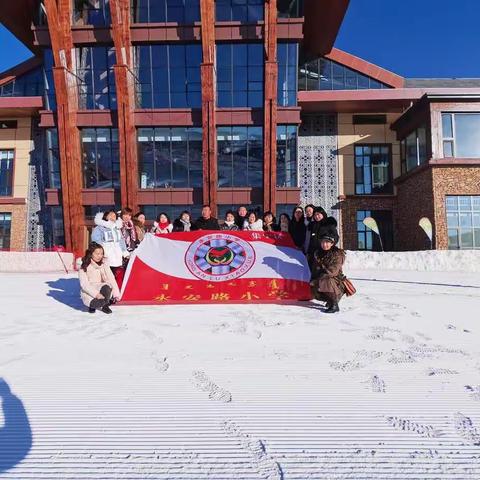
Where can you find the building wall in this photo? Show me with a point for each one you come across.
(414, 200)
(450, 180)
(19, 140)
(350, 134)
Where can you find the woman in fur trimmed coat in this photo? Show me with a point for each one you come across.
(327, 274)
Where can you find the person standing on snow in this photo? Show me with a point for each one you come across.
(108, 234)
(327, 275)
(129, 233)
(297, 228)
(98, 288)
(320, 225)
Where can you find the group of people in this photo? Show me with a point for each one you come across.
(116, 235)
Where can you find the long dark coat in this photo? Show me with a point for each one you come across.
(327, 274)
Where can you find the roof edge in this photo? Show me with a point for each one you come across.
(13, 72)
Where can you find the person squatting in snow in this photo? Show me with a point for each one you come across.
(327, 274)
(98, 287)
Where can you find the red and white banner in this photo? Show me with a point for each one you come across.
(216, 267)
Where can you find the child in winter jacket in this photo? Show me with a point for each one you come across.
(98, 288)
(162, 225)
(327, 275)
(108, 234)
(253, 223)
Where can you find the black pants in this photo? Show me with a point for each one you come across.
(98, 304)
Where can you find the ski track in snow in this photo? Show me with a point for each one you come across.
(387, 389)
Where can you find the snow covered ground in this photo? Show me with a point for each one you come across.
(387, 389)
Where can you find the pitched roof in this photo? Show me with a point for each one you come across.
(442, 82)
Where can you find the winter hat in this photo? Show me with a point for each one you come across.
(331, 236)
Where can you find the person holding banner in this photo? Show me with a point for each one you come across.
(327, 274)
(206, 221)
(183, 223)
(229, 223)
(163, 225)
(253, 222)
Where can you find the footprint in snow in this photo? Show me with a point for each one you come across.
(152, 336)
(205, 384)
(407, 425)
(474, 392)
(466, 429)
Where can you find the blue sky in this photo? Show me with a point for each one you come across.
(414, 38)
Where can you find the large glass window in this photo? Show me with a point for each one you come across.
(290, 8)
(168, 76)
(160, 11)
(245, 11)
(101, 164)
(170, 157)
(240, 75)
(373, 173)
(287, 74)
(463, 222)
(413, 149)
(325, 74)
(96, 78)
(48, 64)
(53, 158)
(28, 85)
(91, 12)
(286, 156)
(366, 239)
(55, 235)
(240, 156)
(461, 135)
(6, 173)
(5, 229)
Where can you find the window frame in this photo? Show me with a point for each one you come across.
(453, 140)
(404, 150)
(286, 132)
(9, 184)
(458, 229)
(390, 168)
(3, 228)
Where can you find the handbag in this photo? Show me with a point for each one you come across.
(348, 287)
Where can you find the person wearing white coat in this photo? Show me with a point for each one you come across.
(109, 235)
(253, 223)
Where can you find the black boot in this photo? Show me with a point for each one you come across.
(334, 308)
(106, 309)
(91, 310)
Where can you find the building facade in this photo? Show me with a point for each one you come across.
(165, 105)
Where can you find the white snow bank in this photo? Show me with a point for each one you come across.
(422, 261)
(23, 262)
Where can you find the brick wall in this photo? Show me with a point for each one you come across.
(19, 225)
(414, 201)
(349, 209)
(451, 180)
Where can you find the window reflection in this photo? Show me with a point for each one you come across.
(100, 157)
(287, 74)
(160, 11)
(463, 222)
(461, 135)
(240, 75)
(373, 169)
(170, 157)
(168, 76)
(240, 156)
(325, 74)
(287, 156)
(245, 11)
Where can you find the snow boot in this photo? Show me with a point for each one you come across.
(106, 309)
(91, 310)
(333, 308)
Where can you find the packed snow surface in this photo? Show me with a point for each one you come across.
(387, 389)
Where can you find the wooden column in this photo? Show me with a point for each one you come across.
(270, 106)
(209, 129)
(125, 88)
(59, 15)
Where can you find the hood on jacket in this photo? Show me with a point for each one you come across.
(99, 221)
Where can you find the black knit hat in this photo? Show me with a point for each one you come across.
(331, 236)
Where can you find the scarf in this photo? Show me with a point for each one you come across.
(163, 225)
(186, 225)
(230, 224)
(129, 234)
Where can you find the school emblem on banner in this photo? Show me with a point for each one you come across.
(219, 257)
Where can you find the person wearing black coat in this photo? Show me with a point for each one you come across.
(206, 221)
(297, 227)
(183, 223)
(322, 225)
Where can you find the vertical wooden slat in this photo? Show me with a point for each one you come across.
(125, 88)
(209, 130)
(59, 15)
(270, 106)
